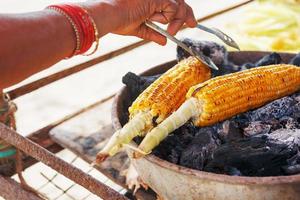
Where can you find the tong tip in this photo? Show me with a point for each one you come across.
(236, 46)
(208, 62)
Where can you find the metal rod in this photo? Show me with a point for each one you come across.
(182, 45)
(48, 158)
(30, 87)
(221, 35)
(169, 36)
(11, 190)
(42, 138)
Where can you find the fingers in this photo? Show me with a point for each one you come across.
(146, 33)
(166, 11)
(179, 19)
(159, 17)
(190, 17)
(184, 14)
(171, 12)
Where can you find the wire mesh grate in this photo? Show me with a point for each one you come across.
(55, 186)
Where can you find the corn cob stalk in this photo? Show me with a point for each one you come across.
(223, 97)
(157, 102)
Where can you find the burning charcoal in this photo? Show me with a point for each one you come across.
(216, 52)
(247, 66)
(290, 137)
(286, 136)
(275, 124)
(295, 160)
(225, 69)
(289, 123)
(171, 148)
(257, 127)
(188, 132)
(296, 111)
(174, 156)
(201, 149)
(229, 130)
(137, 84)
(290, 170)
(271, 59)
(293, 166)
(296, 60)
(274, 110)
(260, 155)
(296, 96)
(232, 171)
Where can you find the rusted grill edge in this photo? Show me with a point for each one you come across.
(61, 166)
(30, 87)
(11, 190)
(42, 138)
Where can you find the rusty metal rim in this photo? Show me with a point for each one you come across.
(271, 180)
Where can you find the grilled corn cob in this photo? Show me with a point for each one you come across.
(157, 102)
(223, 97)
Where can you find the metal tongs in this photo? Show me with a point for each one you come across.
(225, 38)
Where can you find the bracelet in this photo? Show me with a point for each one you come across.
(96, 36)
(76, 31)
(84, 27)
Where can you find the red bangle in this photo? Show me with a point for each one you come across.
(83, 24)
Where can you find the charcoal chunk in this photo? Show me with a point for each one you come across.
(229, 130)
(257, 127)
(296, 111)
(232, 171)
(295, 160)
(247, 66)
(226, 69)
(274, 110)
(289, 123)
(174, 156)
(271, 59)
(216, 52)
(287, 136)
(290, 170)
(171, 148)
(260, 155)
(137, 84)
(296, 60)
(201, 149)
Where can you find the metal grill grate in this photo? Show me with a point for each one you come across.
(55, 186)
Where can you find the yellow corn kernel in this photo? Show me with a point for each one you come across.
(158, 101)
(229, 95)
(168, 92)
(223, 97)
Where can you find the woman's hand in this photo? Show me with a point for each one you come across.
(47, 36)
(127, 17)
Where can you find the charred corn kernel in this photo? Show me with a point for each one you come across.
(223, 97)
(167, 93)
(157, 102)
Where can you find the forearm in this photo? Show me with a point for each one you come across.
(31, 42)
(34, 41)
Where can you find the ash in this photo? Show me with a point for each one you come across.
(261, 142)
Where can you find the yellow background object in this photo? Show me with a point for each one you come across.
(272, 25)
